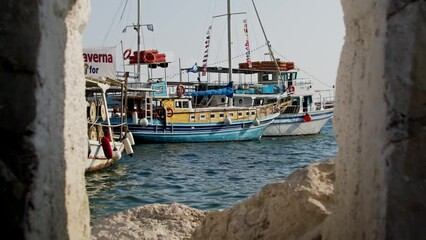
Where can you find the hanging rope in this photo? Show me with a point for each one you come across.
(238, 56)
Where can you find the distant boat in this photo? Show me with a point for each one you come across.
(303, 110)
(104, 146)
(307, 111)
(173, 118)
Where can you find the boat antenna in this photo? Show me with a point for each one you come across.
(139, 40)
(271, 53)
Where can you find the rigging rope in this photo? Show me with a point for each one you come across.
(110, 26)
(238, 56)
(122, 13)
(302, 70)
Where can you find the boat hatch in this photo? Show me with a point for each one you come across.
(307, 103)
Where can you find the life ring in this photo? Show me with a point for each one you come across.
(180, 90)
(291, 89)
(92, 112)
(127, 53)
(169, 112)
(103, 112)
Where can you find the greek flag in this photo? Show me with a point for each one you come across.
(193, 69)
(150, 27)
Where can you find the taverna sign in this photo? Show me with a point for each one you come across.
(99, 62)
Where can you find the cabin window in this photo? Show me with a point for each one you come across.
(181, 104)
(253, 113)
(202, 116)
(221, 115)
(248, 114)
(240, 101)
(212, 116)
(222, 100)
(192, 117)
(295, 101)
(185, 104)
(267, 77)
(240, 114)
(231, 114)
(258, 102)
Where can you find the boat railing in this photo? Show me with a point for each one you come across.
(324, 102)
(301, 81)
(290, 109)
(136, 85)
(108, 125)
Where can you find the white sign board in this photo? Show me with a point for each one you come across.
(99, 62)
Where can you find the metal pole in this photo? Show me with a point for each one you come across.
(180, 72)
(139, 40)
(229, 49)
(122, 51)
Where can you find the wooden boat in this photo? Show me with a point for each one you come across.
(104, 146)
(173, 118)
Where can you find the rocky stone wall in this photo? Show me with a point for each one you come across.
(41, 94)
(380, 126)
(380, 123)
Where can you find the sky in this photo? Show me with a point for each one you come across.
(309, 33)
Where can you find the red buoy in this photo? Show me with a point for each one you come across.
(307, 117)
(108, 134)
(106, 146)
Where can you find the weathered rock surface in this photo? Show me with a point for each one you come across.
(292, 209)
(156, 221)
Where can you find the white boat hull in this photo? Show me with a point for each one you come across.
(295, 125)
(97, 160)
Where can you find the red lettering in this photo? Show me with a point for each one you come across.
(95, 57)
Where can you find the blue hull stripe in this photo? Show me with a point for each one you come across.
(237, 131)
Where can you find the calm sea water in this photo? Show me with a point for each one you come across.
(206, 176)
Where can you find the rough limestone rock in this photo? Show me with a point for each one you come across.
(380, 123)
(291, 209)
(156, 221)
(42, 184)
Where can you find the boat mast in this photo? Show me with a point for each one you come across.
(271, 54)
(229, 42)
(139, 40)
(229, 49)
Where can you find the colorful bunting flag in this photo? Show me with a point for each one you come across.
(247, 45)
(206, 52)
